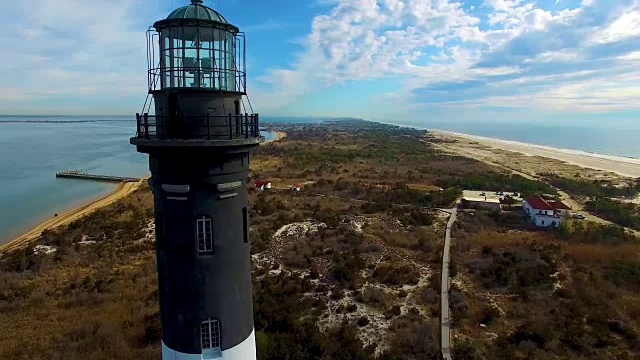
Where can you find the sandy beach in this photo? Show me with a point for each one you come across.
(279, 136)
(500, 151)
(65, 218)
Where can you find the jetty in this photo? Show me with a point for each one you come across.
(79, 174)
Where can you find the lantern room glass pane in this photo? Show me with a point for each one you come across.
(231, 62)
(198, 57)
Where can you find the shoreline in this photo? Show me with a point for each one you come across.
(122, 190)
(622, 166)
(279, 136)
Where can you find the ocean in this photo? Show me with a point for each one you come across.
(597, 136)
(31, 153)
(615, 138)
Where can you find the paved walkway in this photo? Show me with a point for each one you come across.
(445, 319)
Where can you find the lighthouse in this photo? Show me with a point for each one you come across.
(198, 138)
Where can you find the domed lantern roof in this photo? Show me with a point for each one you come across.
(196, 14)
(197, 11)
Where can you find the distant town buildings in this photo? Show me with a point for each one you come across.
(545, 213)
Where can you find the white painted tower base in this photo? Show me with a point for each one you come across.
(246, 350)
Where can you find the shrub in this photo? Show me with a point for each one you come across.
(595, 233)
(417, 218)
(428, 296)
(457, 304)
(396, 274)
(493, 181)
(337, 294)
(624, 214)
(591, 188)
(412, 337)
(624, 273)
(363, 321)
(487, 314)
(314, 273)
(393, 311)
(520, 268)
(374, 296)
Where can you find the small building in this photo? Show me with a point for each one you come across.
(480, 200)
(561, 208)
(541, 212)
(296, 187)
(262, 185)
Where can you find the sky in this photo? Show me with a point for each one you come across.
(402, 61)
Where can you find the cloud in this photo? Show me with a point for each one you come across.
(503, 53)
(366, 39)
(62, 49)
(446, 53)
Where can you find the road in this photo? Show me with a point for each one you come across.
(445, 319)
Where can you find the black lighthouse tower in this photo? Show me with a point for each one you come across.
(198, 141)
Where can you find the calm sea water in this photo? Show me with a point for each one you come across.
(31, 153)
(617, 138)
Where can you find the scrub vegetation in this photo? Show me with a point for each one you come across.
(597, 188)
(570, 293)
(346, 268)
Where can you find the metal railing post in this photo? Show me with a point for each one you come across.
(208, 127)
(246, 125)
(254, 129)
(146, 125)
(257, 125)
(138, 125)
(230, 126)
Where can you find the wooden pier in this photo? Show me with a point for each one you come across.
(79, 174)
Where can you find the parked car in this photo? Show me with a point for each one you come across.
(499, 193)
(579, 216)
(516, 194)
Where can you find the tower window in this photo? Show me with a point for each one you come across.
(210, 334)
(245, 225)
(204, 235)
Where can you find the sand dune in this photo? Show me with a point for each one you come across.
(121, 191)
(620, 165)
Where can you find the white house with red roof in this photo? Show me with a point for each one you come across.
(544, 213)
(561, 208)
(262, 185)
